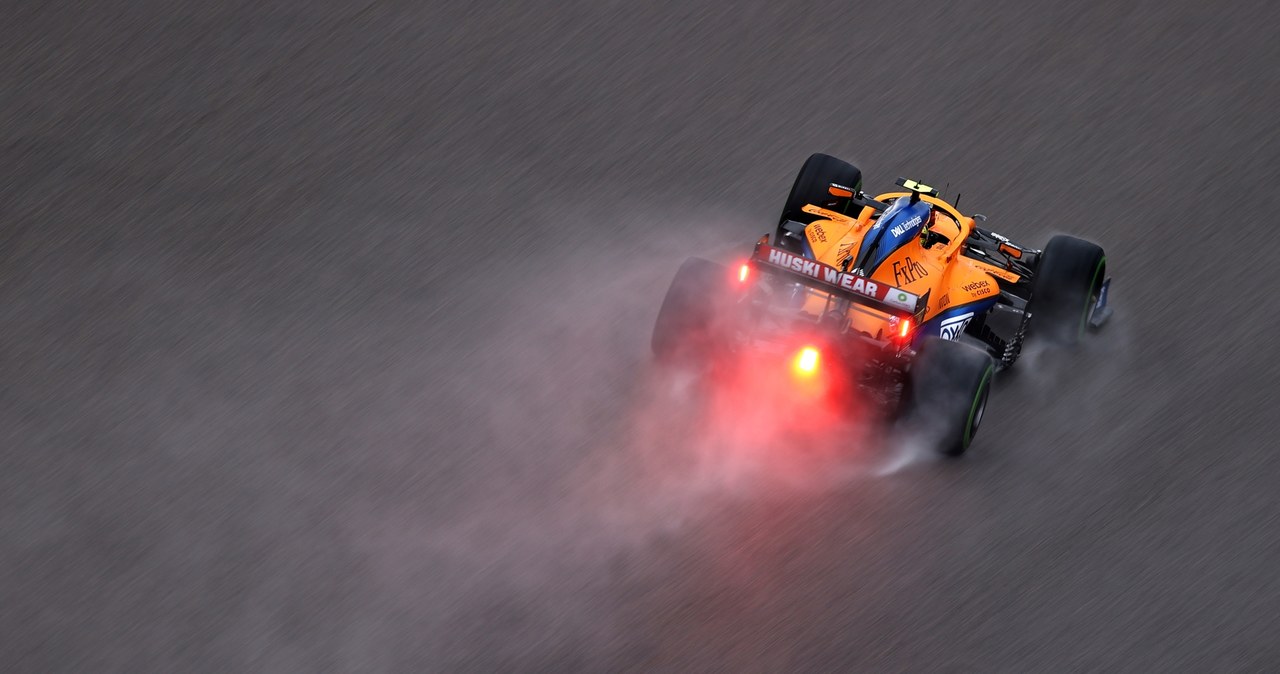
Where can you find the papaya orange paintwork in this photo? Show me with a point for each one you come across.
(947, 278)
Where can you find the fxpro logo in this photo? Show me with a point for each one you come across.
(899, 230)
(953, 327)
(908, 271)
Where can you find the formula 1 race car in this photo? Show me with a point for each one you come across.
(900, 297)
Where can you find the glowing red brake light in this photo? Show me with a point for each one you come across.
(743, 272)
(905, 329)
(806, 362)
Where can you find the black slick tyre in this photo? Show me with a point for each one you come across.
(687, 324)
(946, 393)
(812, 186)
(1066, 286)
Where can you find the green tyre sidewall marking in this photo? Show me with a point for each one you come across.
(1089, 299)
(973, 409)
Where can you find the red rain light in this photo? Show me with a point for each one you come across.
(743, 272)
(906, 328)
(806, 362)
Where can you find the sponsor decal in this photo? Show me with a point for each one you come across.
(908, 271)
(818, 233)
(899, 230)
(1002, 273)
(997, 237)
(977, 287)
(902, 300)
(827, 213)
(832, 276)
(845, 252)
(945, 301)
(953, 327)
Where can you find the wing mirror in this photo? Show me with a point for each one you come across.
(841, 191)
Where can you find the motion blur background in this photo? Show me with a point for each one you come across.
(323, 339)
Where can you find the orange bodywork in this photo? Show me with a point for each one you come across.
(941, 273)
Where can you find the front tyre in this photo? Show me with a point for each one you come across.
(1066, 287)
(812, 186)
(947, 391)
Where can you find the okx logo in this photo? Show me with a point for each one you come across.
(953, 327)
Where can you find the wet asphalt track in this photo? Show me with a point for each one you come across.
(324, 336)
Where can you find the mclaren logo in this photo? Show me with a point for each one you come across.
(953, 327)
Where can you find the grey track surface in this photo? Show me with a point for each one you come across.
(324, 333)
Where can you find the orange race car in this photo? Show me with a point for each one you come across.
(901, 296)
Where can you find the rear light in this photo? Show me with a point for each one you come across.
(904, 330)
(743, 273)
(806, 362)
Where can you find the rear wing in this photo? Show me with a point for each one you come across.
(828, 279)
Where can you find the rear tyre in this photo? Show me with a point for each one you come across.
(1066, 287)
(947, 391)
(687, 325)
(812, 187)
